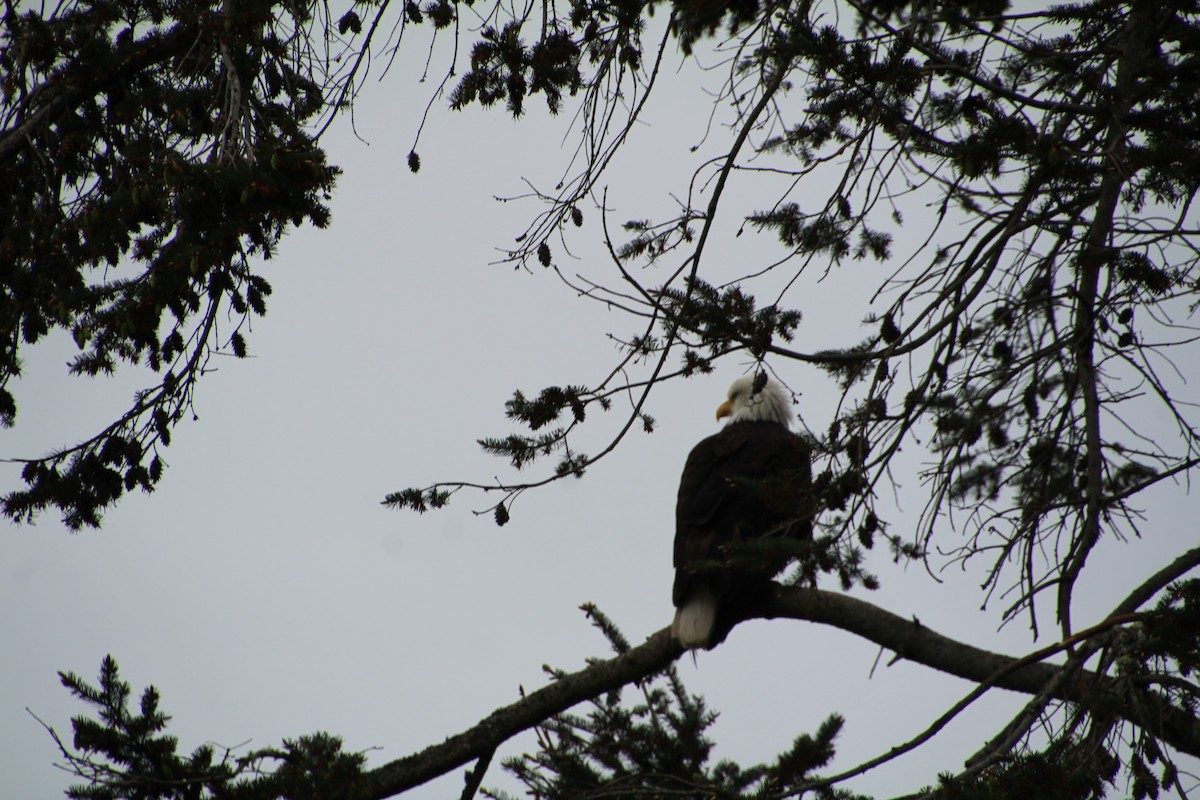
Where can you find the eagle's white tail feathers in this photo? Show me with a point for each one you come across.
(693, 625)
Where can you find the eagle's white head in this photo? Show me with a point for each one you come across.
(770, 404)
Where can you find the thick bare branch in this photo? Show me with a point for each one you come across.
(918, 643)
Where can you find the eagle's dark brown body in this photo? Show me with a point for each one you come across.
(749, 482)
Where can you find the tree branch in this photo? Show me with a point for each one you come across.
(1159, 581)
(1138, 41)
(391, 779)
(908, 638)
(913, 641)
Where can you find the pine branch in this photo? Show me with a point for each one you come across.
(908, 638)
(657, 653)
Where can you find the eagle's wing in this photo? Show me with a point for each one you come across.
(745, 482)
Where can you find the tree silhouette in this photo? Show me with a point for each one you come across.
(1025, 177)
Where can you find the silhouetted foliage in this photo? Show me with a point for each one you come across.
(656, 747)
(151, 154)
(124, 753)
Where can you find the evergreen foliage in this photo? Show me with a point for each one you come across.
(151, 153)
(125, 754)
(656, 747)
(646, 749)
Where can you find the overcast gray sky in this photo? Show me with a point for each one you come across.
(267, 593)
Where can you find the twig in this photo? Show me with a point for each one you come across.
(474, 777)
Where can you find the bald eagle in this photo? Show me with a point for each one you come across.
(742, 490)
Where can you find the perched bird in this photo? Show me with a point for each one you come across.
(744, 495)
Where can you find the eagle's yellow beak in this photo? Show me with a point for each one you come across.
(724, 410)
